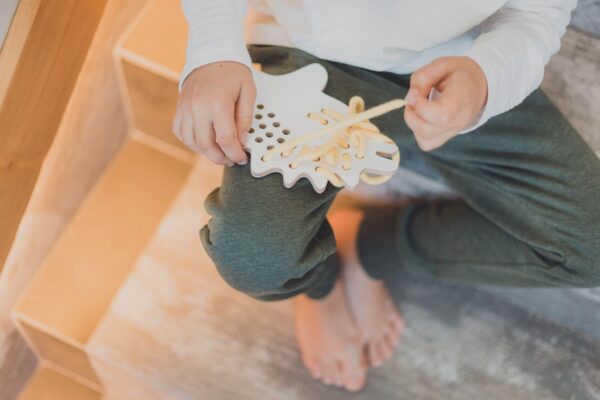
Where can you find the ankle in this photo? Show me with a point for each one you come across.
(345, 225)
(331, 297)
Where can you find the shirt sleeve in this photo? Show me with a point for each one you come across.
(514, 47)
(215, 33)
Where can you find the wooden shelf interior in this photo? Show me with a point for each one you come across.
(48, 384)
(91, 260)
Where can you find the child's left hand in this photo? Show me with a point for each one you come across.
(462, 88)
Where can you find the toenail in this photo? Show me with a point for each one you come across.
(354, 386)
(356, 382)
(377, 361)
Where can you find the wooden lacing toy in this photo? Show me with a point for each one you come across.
(346, 149)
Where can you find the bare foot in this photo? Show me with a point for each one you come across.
(378, 319)
(329, 340)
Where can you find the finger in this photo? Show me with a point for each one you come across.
(226, 133)
(244, 110)
(430, 111)
(436, 142)
(421, 128)
(176, 125)
(439, 141)
(204, 138)
(424, 79)
(187, 130)
(428, 137)
(442, 111)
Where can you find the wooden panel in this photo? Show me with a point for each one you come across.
(15, 41)
(18, 365)
(153, 99)
(90, 261)
(160, 37)
(47, 384)
(119, 383)
(8, 8)
(36, 98)
(92, 131)
(69, 356)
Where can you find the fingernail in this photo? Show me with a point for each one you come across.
(411, 97)
(243, 162)
(244, 140)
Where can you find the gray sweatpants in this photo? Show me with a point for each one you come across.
(528, 212)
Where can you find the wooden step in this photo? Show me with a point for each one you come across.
(152, 99)
(158, 39)
(151, 57)
(49, 384)
(70, 293)
(72, 290)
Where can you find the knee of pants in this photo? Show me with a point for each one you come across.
(258, 261)
(263, 236)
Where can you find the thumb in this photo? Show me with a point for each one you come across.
(244, 109)
(426, 78)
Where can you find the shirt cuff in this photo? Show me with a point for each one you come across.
(488, 110)
(199, 58)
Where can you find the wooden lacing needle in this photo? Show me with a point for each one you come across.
(351, 120)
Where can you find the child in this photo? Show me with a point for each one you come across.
(529, 186)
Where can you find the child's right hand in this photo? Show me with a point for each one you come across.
(215, 110)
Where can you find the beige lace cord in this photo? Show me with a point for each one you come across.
(349, 131)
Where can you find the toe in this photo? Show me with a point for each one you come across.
(374, 357)
(397, 322)
(338, 374)
(354, 370)
(392, 339)
(396, 326)
(354, 377)
(328, 373)
(355, 382)
(327, 379)
(318, 374)
(382, 348)
(312, 365)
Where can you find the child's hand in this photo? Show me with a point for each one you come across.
(214, 111)
(462, 88)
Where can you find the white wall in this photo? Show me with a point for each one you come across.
(7, 10)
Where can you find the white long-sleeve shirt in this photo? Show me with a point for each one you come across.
(512, 40)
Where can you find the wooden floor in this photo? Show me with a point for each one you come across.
(460, 343)
(572, 81)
